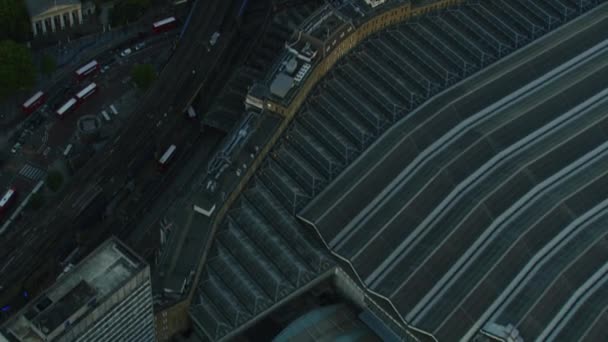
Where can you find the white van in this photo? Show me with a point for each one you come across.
(214, 38)
(67, 150)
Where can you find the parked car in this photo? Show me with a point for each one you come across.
(140, 46)
(214, 38)
(126, 52)
(16, 147)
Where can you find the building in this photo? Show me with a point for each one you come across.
(53, 15)
(88, 128)
(328, 323)
(449, 234)
(106, 297)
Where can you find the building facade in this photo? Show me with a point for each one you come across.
(54, 15)
(106, 297)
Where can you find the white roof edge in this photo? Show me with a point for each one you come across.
(86, 90)
(86, 67)
(164, 21)
(69, 103)
(33, 98)
(206, 212)
(7, 196)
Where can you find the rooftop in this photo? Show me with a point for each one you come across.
(37, 7)
(423, 215)
(393, 218)
(329, 323)
(89, 123)
(74, 294)
(317, 35)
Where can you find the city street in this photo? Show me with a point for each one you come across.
(110, 171)
(45, 141)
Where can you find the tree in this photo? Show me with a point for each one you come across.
(17, 70)
(54, 179)
(14, 21)
(48, 65)
(36, 201)
(143, 75)
(125, 11)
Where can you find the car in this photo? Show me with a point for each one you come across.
(214, 38)
(126, 52)
(16, 147)
(140, 46)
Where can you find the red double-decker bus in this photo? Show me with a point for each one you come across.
(164, 25)
(33, 103)
(7, 200)
(86, 92)
(166, 158)
(67, 107)
(84, 71)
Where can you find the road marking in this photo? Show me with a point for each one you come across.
(7, 263)
(32, 172)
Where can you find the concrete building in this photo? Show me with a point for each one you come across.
(106, 297)
(53, 15)
(88, 128)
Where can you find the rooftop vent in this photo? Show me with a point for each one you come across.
(291, 65)
(302, 73)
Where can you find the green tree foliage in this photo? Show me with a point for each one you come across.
(36, 201)
(17, 70)
(143, 75)
(54, 180)
(125, 11)
(48, 65)
(14, 21)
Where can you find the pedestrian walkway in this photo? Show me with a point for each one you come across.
(32, 172)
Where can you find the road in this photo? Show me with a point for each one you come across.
(158, 117)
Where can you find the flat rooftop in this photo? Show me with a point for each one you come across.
(317, 35)
(75, 293)
(89, 123)
(37, 7)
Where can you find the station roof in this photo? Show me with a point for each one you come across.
(447, 219)
(372, 213)
(336, 322)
